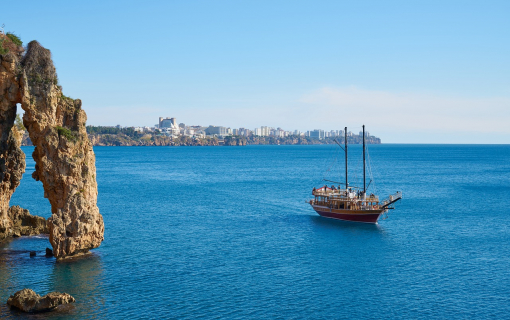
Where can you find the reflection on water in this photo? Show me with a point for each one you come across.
(5, 278)
(80, 277)
(328, 223)
(224, 233)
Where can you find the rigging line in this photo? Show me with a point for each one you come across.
(333, 162)
(327, 171)
(356, 165)
(317, 176)
(376, 174)
(369, 183)
(331, 165)
(339, 144)
(341, 183)
(370, 170)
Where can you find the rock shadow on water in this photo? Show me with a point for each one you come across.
(81, 276)
(25, 251)
(332, 224)
(65, 311)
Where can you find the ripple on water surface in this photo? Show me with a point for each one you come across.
(219, 232)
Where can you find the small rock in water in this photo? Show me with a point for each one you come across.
(49, 252)
(28, 301)
(32, 253)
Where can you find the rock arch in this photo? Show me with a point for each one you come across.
(65, 161)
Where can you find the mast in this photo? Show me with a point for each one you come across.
(346, 180)
(364, 165)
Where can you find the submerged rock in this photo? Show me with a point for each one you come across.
(28, 301)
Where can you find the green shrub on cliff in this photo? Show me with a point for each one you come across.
(10, 43)
(66, 133)
(2, 49)
(15, 39)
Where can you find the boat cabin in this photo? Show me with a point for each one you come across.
(344, 199)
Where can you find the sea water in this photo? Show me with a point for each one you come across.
(224, 232)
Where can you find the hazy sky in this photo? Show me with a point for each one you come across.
(411, 71)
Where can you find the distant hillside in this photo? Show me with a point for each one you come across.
(111, 136)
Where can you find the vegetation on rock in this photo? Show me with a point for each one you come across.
(11, 43)
(19, 123)
(3, 50)
(66, 133)
(14, 38)
(38, 65)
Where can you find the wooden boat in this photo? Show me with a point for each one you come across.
(347, 203)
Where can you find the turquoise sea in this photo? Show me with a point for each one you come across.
(225, 233)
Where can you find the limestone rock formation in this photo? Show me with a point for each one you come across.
(28, 301)
(65, 161)
(12, 159)
(25, 224)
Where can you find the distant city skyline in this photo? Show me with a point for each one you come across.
(170, 126)
(412, 72)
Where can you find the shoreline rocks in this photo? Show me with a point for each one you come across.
(22, 223)
(25, 224)
(27, 300)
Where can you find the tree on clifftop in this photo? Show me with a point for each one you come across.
(19, 123)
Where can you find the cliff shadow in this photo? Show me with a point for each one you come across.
(82, 277)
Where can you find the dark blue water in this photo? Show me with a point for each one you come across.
(224, 232)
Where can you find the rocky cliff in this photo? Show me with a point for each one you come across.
(65, 161)
(12, 159)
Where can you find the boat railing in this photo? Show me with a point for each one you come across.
(327, 193)
(341, 194)
(392, 198)
(372, 198)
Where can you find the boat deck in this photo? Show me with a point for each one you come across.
(345, 200)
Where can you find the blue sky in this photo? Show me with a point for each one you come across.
(412, 71)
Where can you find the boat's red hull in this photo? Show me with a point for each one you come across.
(355, 216)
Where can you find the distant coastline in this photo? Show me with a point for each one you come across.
(152, 139)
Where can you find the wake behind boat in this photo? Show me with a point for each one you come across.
(348, 204)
